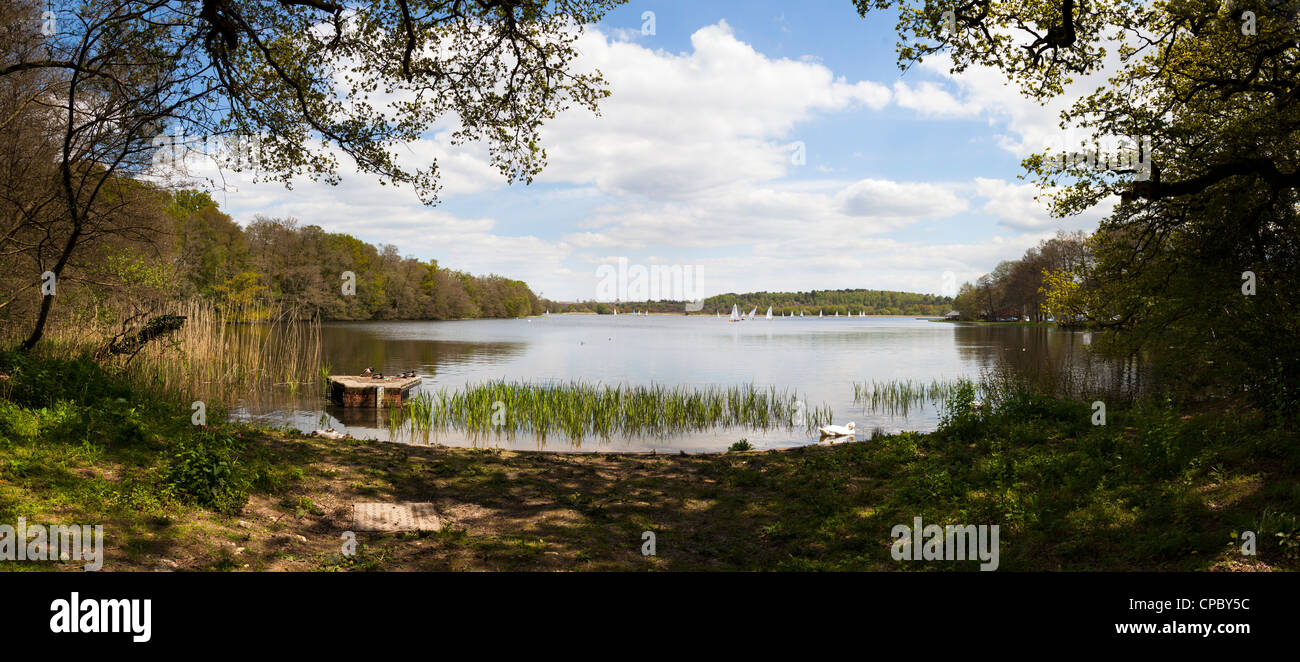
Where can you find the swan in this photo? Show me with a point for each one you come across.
(837, 430)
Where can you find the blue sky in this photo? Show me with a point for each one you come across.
(907, 178)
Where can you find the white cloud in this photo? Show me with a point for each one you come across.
(680, 124)
(1015, 205)
(689, 158)
(932, 100)
(874, 197)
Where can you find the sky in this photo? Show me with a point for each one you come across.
(763, 146)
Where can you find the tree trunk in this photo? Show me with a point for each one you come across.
(48, 299)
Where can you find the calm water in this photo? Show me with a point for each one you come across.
(819, 359)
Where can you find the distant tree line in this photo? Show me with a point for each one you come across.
(871, 302)
(829, 302)
(608, 307)
(304, 267)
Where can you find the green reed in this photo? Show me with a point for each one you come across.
(578, 409)
(896, 397)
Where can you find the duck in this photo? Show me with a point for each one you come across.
(367, 372)
(837, 430)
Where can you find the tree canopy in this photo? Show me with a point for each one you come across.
(107, 92)
(1213, 88)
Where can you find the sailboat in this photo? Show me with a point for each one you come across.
(837, 313)
(769, 312)
(753, 312)
(616, 312)
(735, 314)
(819, 313)
(801, 313)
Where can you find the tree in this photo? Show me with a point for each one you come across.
(1207, 97)
(968, 302)
(288, 84)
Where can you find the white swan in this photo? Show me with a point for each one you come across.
(837, 430)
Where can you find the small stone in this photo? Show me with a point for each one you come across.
(245, 525)
(239, 550)
(300, 538)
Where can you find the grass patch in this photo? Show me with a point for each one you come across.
(578, 409)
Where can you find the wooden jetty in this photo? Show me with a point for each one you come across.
(361, 391)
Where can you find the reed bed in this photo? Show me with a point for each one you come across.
(223, 353)
(896, 397)
(578, 409)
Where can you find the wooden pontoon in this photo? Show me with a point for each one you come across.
(360, 391)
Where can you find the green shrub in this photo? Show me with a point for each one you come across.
(740, 446)
(206, 469)
(961, 416)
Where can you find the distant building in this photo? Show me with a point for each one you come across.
(952, 315)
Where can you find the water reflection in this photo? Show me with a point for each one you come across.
(820, 359)
(1052, 359)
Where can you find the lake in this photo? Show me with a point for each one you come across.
(817, 359)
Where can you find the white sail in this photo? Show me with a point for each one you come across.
(769, 312)
(819, 313)
(801, 313)
(735, 314)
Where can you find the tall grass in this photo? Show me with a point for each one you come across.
(578, 409)
(897, 397)
(222, 353)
